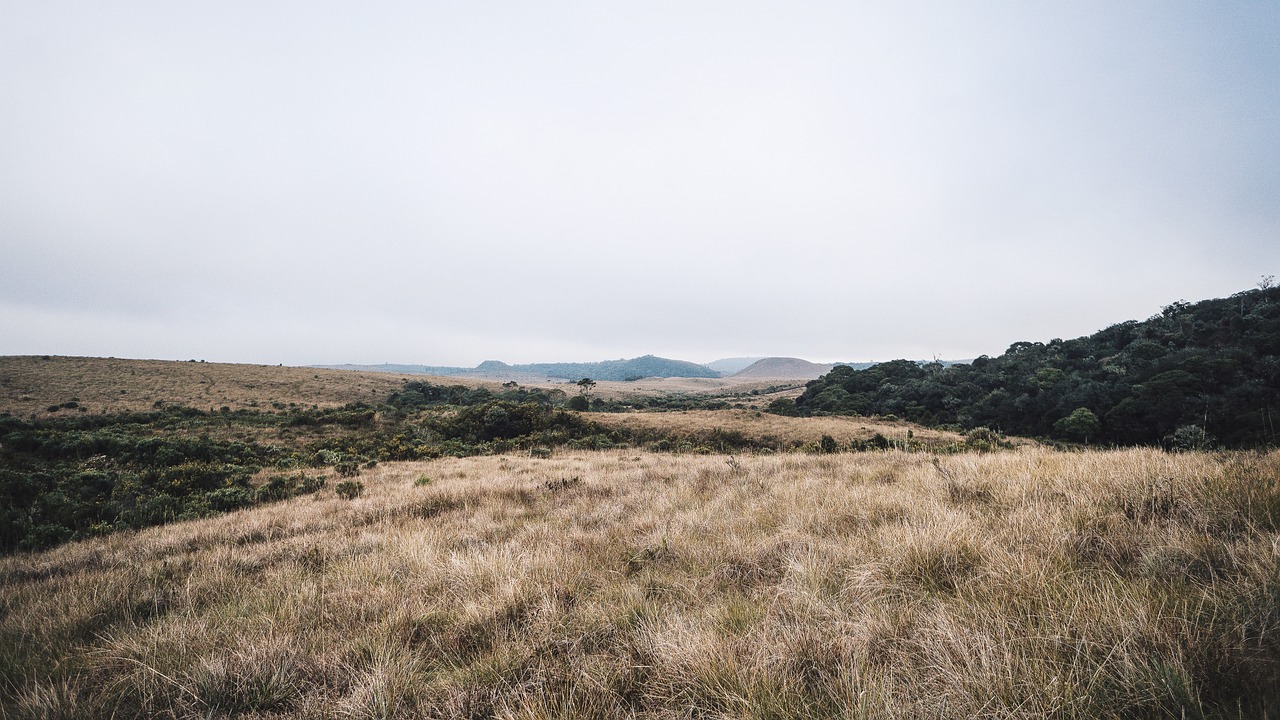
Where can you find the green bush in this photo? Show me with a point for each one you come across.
(308, 485)
(229, 498)
(782, 406)
(349, 489)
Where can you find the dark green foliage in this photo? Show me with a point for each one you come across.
(349, 489)
(1213, 365)
(1080, 425)
(641, 367)
(347, 468)
(782, 406)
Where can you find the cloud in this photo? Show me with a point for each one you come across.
(427, 182)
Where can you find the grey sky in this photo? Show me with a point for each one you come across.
(429, 182)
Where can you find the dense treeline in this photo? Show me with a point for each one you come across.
(1193, 376)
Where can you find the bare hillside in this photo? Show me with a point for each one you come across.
(783, 368)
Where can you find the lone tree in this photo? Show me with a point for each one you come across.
(585, 385)
(1081, 424)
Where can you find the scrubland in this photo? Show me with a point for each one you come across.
(1027, 583)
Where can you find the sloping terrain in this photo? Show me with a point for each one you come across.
(728, 366)
(1029, 584)
(31, 384)
(1195, 376)
(783, 368)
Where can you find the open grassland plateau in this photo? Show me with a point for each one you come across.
(56, 385)
(1029, 583)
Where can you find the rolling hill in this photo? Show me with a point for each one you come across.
(783, 368)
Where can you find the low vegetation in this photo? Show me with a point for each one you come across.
(75, 475)
(1029, 583)
(338, 545)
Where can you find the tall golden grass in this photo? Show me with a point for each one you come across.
(1022, 584)
(772, 430)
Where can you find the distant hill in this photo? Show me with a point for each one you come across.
(633, 369)
(729, 366)
(784, 368)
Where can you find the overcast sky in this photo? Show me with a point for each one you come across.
(448, 182)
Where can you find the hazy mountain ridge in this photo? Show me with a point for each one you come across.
(729, 366)
(623, 369)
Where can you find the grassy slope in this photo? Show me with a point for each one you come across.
(29, 384)
(1018, 584)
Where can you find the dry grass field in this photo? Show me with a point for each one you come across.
(1019, 584)
(766, 389)
(767, 429)
(30, 384)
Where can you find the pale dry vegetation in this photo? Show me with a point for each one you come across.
(772, 430)
(766, 389)
(30, 384)
(1022, 584)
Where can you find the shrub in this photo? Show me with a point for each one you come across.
(275, 488)
(984, 440)
(349, 489)
(782, 406)
(229, 498)
(310, 484)
(1191, 437)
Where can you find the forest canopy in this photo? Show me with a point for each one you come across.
(1193, 376)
